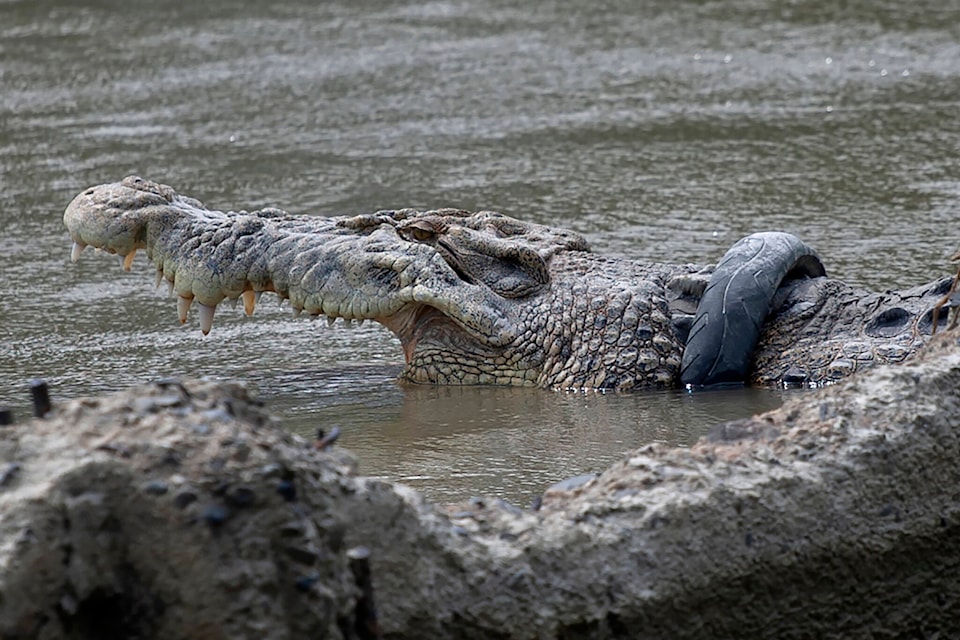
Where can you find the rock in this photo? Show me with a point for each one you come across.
(832, 516)
(83, 555)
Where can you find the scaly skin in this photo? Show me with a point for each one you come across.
(474, 298)
(825, 330)
(470, 296)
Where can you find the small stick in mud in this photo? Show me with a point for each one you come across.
(326, 440)
(365, 624)
(41, 398)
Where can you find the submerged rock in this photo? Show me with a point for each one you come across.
(182, 509)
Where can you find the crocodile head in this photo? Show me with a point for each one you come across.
(482, 298)
(450, 285)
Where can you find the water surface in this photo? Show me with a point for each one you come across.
(660, 130)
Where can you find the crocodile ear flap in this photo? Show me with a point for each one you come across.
(517, 273)
(510, 270)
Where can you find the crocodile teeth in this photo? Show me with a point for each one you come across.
(77, 249)
(206, 317)
(250, 299)
(296, 312)
(348, 322)
(183, 305)
(330, 321)
(128, 260)
(361, 321)
(233, 302)
(120, 261)
(158, 279)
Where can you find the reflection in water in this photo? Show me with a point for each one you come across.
(452, 442)
(661, 130)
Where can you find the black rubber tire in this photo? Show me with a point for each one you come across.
(735, 303)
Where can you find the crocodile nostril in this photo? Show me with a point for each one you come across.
(926, 321)
(888, 323)
(89, 192)
(942, 287)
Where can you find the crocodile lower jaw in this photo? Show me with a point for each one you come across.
(416, 321)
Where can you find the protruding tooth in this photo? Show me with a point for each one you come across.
(120, 262)
(183, 305)
(128, 260)
(250, 300)
(361, 321)
(348, 322)
(77, 249)
(296, 311)
(158, 279)
(169, 287)
(234, 301)
(330, 321)
(206, 317)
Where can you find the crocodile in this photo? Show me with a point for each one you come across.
(484, 298)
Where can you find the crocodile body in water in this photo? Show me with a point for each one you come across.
(482, 298)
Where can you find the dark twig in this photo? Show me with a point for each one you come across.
(41, 398)
(365, 624)
(325, 440)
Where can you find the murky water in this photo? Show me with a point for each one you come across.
(660, 130)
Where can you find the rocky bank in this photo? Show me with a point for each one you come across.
(182, 509)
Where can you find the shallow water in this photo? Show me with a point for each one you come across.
(660, 130)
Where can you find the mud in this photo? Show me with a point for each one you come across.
(183, 509)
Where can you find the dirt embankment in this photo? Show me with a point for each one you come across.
(183, 510)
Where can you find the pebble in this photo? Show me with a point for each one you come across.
(241, 497)
(217, 415)
(9, 473)
(292, 529)
(215, 515)
(305, 583)
(152, 404)
(572, 483)
(509, 507)
(303, 555)
(183, 499)
(273, 470)
(155, 487)
(287, 490)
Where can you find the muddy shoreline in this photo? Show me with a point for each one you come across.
(183, 508)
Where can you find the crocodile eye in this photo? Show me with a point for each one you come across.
(419, 231)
